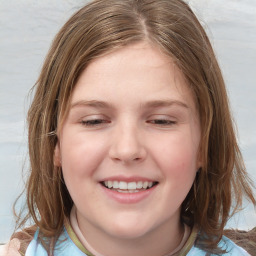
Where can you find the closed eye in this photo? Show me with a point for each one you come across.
(94, 122)
(162, 122)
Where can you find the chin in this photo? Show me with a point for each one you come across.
(129, 230)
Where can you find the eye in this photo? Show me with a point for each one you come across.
(94, 122)
(162, 122)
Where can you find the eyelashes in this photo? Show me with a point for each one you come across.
(103, 122)
(94, 122)
(162, 122)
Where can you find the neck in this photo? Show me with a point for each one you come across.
(160, 241)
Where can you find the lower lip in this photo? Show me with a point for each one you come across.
(128, 198)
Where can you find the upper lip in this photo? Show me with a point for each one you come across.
(128, 179)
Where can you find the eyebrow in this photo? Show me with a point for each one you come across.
(149, 104)
(164, 103)
(91, 103)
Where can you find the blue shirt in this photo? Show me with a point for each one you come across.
(66, 246)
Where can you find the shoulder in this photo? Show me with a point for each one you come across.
(63, 246)
(231, 247)
(11, 248)
(18, 243)
(225, 244)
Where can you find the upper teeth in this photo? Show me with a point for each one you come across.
(128, 185)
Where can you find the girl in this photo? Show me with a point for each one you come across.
(131, 143)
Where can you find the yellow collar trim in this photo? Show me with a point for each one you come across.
(183, 252)
(74, 238)
(189, 244)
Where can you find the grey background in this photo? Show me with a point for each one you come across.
(27, 28)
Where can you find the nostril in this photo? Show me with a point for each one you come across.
(127, 153)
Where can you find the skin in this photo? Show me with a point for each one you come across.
(132, 115)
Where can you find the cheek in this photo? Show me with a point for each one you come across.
(81, 155)
(178, 157)
(80, 158)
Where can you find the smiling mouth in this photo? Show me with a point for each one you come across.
(128, 187)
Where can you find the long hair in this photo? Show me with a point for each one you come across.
(101, 27)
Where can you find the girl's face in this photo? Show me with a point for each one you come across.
(129, 146)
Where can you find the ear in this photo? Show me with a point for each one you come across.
(199, 163)
(57, 156)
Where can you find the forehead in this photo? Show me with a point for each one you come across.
(139, 71)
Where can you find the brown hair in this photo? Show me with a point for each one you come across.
(101, 27)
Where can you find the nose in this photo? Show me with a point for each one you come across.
(127, 145)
